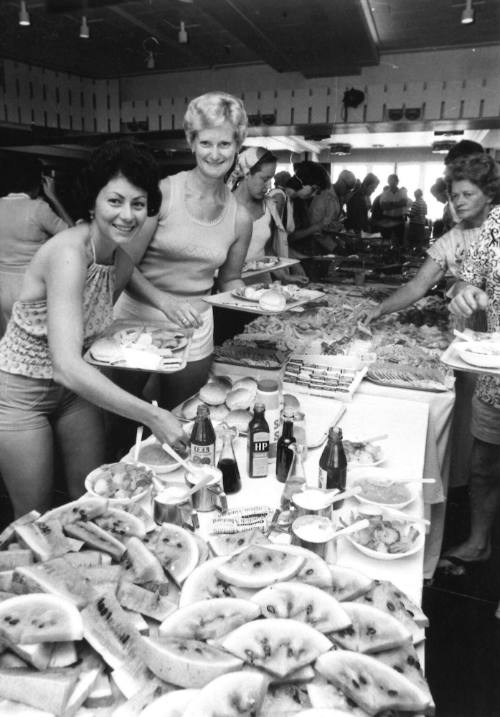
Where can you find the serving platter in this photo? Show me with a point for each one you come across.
(227, 300)
(459, 358)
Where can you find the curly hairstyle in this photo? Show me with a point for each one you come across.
(479, 169)
(134, 160)
(213, 109)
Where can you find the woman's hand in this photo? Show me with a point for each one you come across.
(48, 185)
(168, 429)
(469, 300)
(366, 316)
(182, 314)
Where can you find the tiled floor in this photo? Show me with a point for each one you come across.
(463, 640)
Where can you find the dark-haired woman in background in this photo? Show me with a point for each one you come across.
(48, 393)
(26, 222)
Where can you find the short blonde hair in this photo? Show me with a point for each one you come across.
(212, 110)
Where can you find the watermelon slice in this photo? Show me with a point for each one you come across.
(28, 619)
(386, 596)
(46, 539)
(226, 544)
(373, 686)
(176, 549)
(371, 631)
(280, 646)
(256, 566)
(348, 584)
(302, 602)
(49, 690)
(94, 536)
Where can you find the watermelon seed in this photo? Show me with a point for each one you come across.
(356, 684)
(392, 693)
(397, 668)
(371, 631)
(363, 680)
(390, 606)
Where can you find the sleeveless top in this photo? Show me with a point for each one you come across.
(185, 252)
(24, 348)
(261, 233)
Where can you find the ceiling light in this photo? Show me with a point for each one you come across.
(84, 29)
(24, 16)
(442, 147)
(468, 13)
(150, 61)
(183, 36)
(340, 148)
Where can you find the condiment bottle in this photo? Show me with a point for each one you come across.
(333, 463)
(299, 431)
(227, 464)
(284, 455)
(202, 448)
(258, 443)
(268, 393)
(296, 478)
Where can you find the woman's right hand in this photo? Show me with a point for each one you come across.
(182, 314)
(468, 300)
(168, 429)
(366, 316)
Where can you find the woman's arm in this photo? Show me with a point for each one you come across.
(64, 276)
(429, 273)
(48, 185)
(230, 272)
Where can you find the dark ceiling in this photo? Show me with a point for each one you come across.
(317, 38)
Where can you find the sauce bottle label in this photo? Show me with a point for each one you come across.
(259, 448)
(273, 419)
(203, 454)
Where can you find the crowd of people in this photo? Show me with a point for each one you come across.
(151, 249)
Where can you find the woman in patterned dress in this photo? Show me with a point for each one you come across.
(468, 180)
(48, 394)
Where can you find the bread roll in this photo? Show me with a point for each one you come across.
(290, 401)
(106, 349)
(223, 381)
(219, 413)
(240, 398)
(213, 393)
(239, 419)
(190, 406)
(246, 382)
(272, 301)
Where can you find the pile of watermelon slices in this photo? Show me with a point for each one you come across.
(105, 614)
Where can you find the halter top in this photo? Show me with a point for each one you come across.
(24, 348)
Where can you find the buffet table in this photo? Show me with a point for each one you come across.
(404, 450)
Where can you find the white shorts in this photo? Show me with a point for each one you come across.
(202, 343)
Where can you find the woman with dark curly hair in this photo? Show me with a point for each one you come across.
(48, 393)
(472, 184)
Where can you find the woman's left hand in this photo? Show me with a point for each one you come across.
(182, 314)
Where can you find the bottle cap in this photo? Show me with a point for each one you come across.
(267, 385)
(288, 414)
(259, 407)
(202, 410)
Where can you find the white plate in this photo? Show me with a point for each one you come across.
(379, 475)
(117, 469)
(475, 353)
(160, 339)
(265, 262)
(366, 509)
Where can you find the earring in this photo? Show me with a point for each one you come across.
(91, 214)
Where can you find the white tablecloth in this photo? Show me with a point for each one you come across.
(437, 458)
(406, 424)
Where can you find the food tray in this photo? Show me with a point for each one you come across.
(148, 346)
(228, 301)
(281, 263)
(403, 376)
(452, 359)
(331, 376)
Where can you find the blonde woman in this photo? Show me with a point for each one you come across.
(200, 230)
